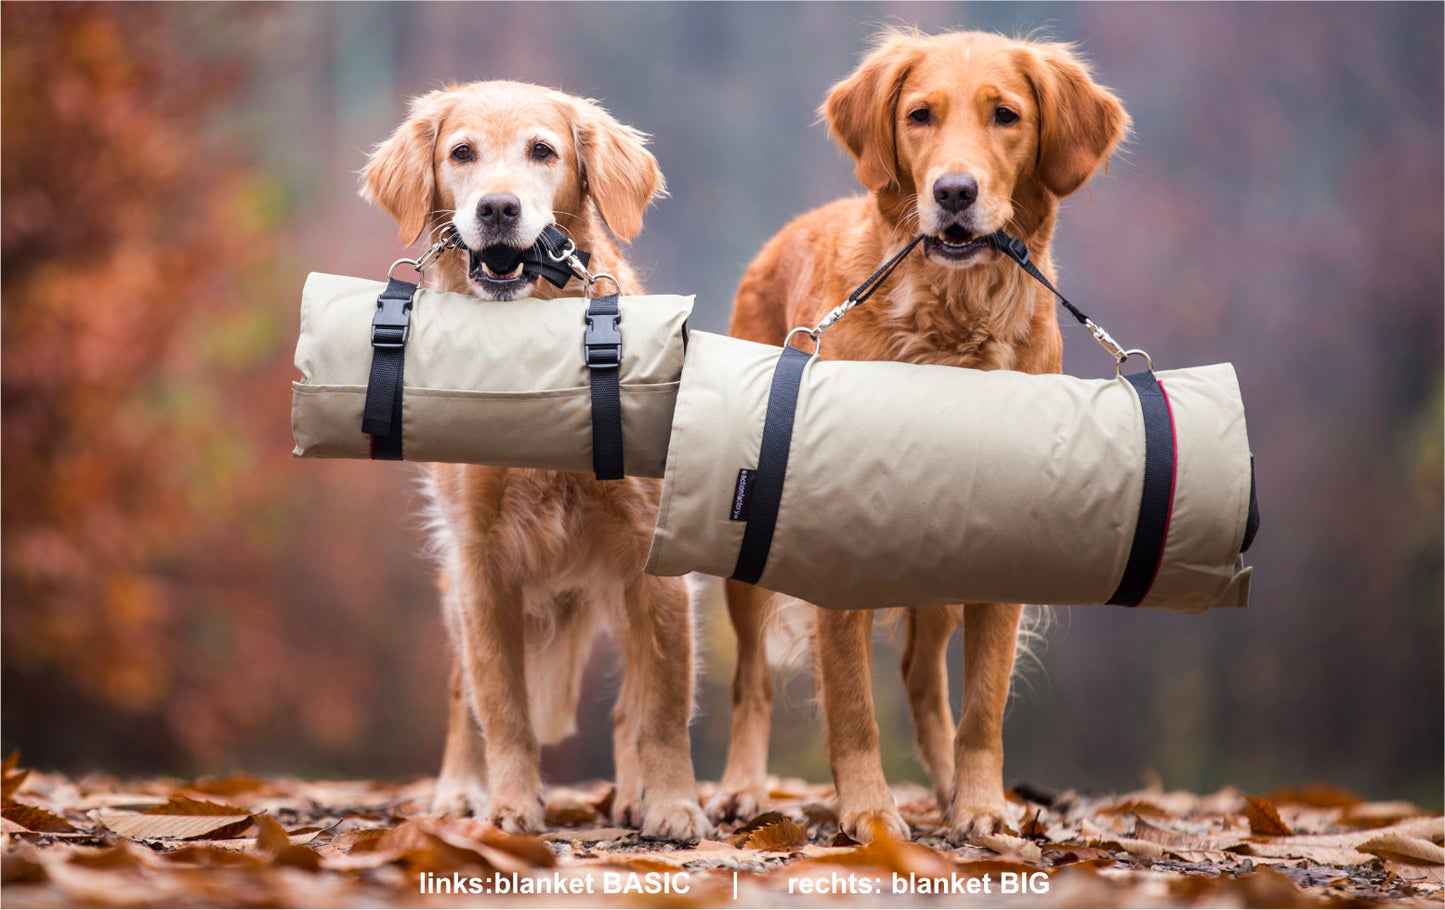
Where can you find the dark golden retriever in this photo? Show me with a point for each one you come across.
(955, 136)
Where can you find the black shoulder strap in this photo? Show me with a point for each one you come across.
(1156, 501)
(602, 344)
(772, 465)
(389, 330)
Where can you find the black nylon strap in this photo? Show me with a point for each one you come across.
(1014, 248)
(1157, 499)
(602, 346)
(389, 330)
(772, 465)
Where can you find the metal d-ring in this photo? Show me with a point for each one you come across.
(811, 333)
(411, 262)
(1119, 364)
(593, 279)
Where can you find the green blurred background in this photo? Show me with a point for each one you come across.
(180, 596)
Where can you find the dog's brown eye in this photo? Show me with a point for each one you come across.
(921, 116)
(1004, 116)
(462, 153)
(541, 151)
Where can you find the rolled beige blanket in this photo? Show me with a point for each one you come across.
(485, 382)
(915, 485)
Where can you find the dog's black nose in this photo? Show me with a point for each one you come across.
(499, 210)
(955, 192)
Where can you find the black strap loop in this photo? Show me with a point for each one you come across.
(1156, 500)
(390, 328)
(602, 348)
(767, 491)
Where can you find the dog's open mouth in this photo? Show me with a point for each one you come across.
(953, 245)
(498, 269)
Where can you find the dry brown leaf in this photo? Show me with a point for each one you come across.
(567, 809)
(147, 826)
(1008, 845)
(229, 786)
(184, 805)
(10, 778)
(1032, 828)
(1139, 807)
(1380, 814)
(211, 855)
(34, 818)
(1404, 849)
(1131, 845)
(1264, 820)
(841, 839)
(1144, 830)
(297, 856)
(1320, 796)
(270, 836)
(769, 831)
(888, 853)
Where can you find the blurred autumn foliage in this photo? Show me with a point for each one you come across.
(181, 596)
(150, 541)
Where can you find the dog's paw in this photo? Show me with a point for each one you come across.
(459, 797)
(522, 816)
(626, 813)
(868, 824)
(680, 820)
(737, 805)
(966, 823)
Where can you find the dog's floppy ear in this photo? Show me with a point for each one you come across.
(1080, 121)
(862, 110)
(617, 170)
(400, 175)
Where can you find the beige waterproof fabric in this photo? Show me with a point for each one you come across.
(486, 382)
(912, 485)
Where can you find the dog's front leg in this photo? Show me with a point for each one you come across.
(492, 624)
(658, 687)
(843, 659)
(462, 785)
(990, 632)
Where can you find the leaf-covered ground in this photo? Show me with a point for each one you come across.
(244, 841)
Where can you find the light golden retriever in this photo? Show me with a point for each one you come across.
(954, 136)
(534, 562)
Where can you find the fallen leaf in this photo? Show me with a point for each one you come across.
(1404, 849)
(567, 809)
(147, 825)
(1158, 834)
(1139, 807)
(10, 778)
(184, 805)
(34, 818)
(769, 831)
(297, 856)
(1032, 828)
(1320, 796)
(270, 836)
(841, 839)
(1380, 814)
(1007, 845)
(1264, 820)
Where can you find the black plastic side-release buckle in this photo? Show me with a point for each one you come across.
(603, 340)
(1010, 246)
(392, 323)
